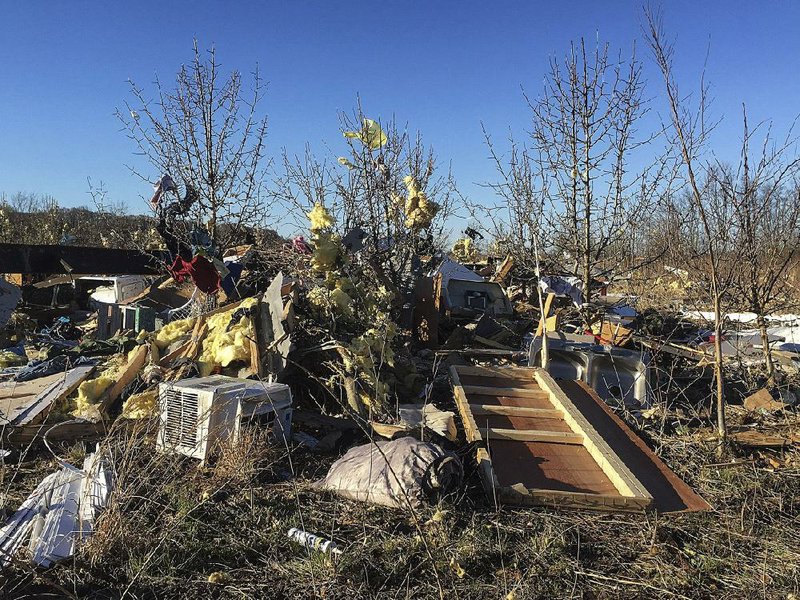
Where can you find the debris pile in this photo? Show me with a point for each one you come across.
(405, 380)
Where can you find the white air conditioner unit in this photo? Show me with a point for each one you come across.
(199, 414)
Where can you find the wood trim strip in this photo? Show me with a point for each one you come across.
(515, 411)
(470, 426)
(487, 390)
(519, 494)
(534, 435)
(495, 372)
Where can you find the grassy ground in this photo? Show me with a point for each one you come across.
(172, 524)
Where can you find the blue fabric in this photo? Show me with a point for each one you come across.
(234, 274)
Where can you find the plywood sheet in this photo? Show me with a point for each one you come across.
(606, 467)
(670, 493)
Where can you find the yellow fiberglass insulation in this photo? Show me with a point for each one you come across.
(327, 249)
(173, 331)
(140, 406)
(342, 301)
(89, 393)
(418, 208)
(222, 346)
(11, 359)
(320, 218)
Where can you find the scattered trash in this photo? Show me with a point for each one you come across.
(314, 542)
(59, 513)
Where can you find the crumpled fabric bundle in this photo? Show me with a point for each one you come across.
(201, 271)
(165, 184)
(300, 245)
(394, 473)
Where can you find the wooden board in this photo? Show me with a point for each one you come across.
(27, 403)
(16, 397)
(129, 373)
(598, 474)
(536, 448)
(670, 493)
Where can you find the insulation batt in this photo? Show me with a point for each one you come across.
(173, 331)
(140, 406)
(11, 359)
(90, 391)
(222, 347)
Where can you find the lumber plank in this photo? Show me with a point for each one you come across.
(492, 344)
(135, 364)
(616, 470)
(497, 372)
(515, 411)
(534, 435)
(519, 494)
(487, 390)
(470, 426)
(54, 394)
(543, 318)
(166, 361)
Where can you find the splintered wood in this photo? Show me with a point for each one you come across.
(542, 445)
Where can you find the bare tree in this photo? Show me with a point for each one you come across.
(571, 184)
(708, 236)
(584, 133)
(764, 193)
(517, 222)
(393, 192)
(206, 131)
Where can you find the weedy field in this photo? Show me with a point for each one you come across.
(176, 529)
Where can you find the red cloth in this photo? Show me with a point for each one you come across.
(202, 272)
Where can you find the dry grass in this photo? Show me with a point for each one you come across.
(172, 523)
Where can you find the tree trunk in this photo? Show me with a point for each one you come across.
(722, 429)
(762, 328)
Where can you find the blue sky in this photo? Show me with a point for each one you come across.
(442, 67)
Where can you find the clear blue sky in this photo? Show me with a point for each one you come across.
(442, 67)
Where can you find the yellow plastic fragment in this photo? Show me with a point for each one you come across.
(345, 162)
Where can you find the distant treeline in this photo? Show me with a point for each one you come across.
(37, 219)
